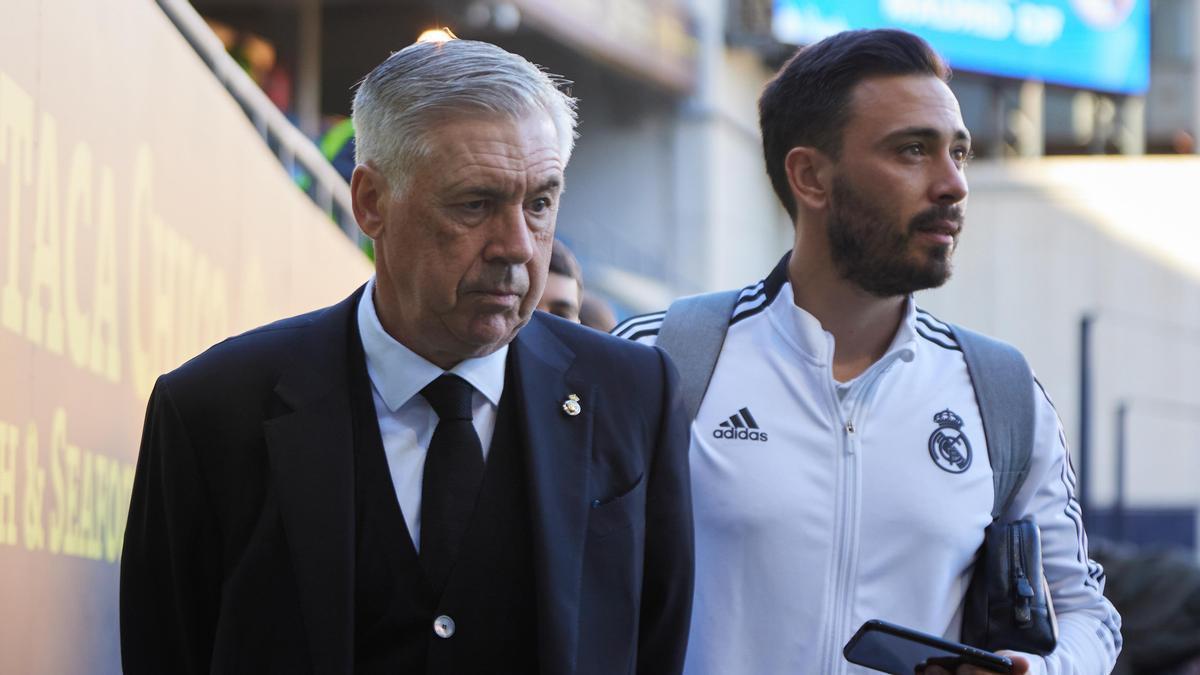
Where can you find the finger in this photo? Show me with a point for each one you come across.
(1020, 663)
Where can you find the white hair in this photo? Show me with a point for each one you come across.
(404, 98)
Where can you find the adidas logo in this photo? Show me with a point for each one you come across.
(740, 426)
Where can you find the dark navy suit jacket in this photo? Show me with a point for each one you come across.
(239, 551)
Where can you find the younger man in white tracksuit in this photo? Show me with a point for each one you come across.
(839, 467)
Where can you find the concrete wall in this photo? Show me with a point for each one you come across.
(669, 196)
(750, 227)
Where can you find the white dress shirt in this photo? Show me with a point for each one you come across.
(406, 420)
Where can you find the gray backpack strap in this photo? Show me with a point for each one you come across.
(692, 334)
(1003, 385)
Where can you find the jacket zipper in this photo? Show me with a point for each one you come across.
(1022, 590)
(833, 596)
(847, 535)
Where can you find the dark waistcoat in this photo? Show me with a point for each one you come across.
(490, 592)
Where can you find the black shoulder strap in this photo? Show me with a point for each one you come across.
(1004, 387)
(692, 334)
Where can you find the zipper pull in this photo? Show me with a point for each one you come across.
(850, 428)
(1022, 609)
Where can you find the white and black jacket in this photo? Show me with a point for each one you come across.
(820, 505)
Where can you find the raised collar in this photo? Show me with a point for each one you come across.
(804, 332)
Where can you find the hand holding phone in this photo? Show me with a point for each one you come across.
(889, 648)
(1020, 666)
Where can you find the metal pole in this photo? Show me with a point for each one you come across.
(308, 68)
(1195, 30)
(1030, 130)
(1131, 125)
(1085, 409)
(999, 117)
(1118, 512)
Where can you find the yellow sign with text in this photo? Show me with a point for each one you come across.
(142, 219)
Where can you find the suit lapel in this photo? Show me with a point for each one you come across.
(312, 471)
(558, 453)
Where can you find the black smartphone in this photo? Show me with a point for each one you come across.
(889, 648)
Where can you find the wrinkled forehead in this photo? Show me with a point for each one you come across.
(435, 119)
(525, 133)
(499, 148)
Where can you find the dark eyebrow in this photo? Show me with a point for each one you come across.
(548, 185)
(562, 305)
(925, 134)
(483, 193)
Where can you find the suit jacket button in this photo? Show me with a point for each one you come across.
(443, 626)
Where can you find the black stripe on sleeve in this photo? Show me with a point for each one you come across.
(641, 334)
(751, 293)
(1072, 509)
(939, 341)
(933, 319)
(746, 314)
(639, 321)
(936, 328)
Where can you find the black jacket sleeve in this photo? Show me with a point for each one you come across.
(170, 562)
(669, 559)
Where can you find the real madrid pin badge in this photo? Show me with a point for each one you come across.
(571, 405)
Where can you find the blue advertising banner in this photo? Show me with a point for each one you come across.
(1091, 44)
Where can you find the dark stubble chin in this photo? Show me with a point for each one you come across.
(871, 251)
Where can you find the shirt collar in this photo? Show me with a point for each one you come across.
(904, 344)
(800, 327)
(811, 338)
(399, 373)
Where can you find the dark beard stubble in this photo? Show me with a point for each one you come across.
(874, 254)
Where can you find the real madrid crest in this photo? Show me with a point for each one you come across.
(948, 445)
(571, 406)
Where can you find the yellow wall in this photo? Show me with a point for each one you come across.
(141, 220)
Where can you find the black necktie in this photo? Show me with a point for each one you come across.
(453, 473)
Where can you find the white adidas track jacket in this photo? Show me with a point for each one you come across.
(820, 505)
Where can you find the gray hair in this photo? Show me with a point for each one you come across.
(399, 102)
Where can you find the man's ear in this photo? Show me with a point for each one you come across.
(810, 176)
(369, 192)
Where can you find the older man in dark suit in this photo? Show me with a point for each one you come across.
(427, 477)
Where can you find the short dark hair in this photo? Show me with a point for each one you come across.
(563, 262)
(808, 101)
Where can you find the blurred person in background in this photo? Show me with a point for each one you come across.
(566, 296)
(563, 295)
(1157, 592)
(831, 455)
(595, 312)
(429, 476)
(337, 145)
